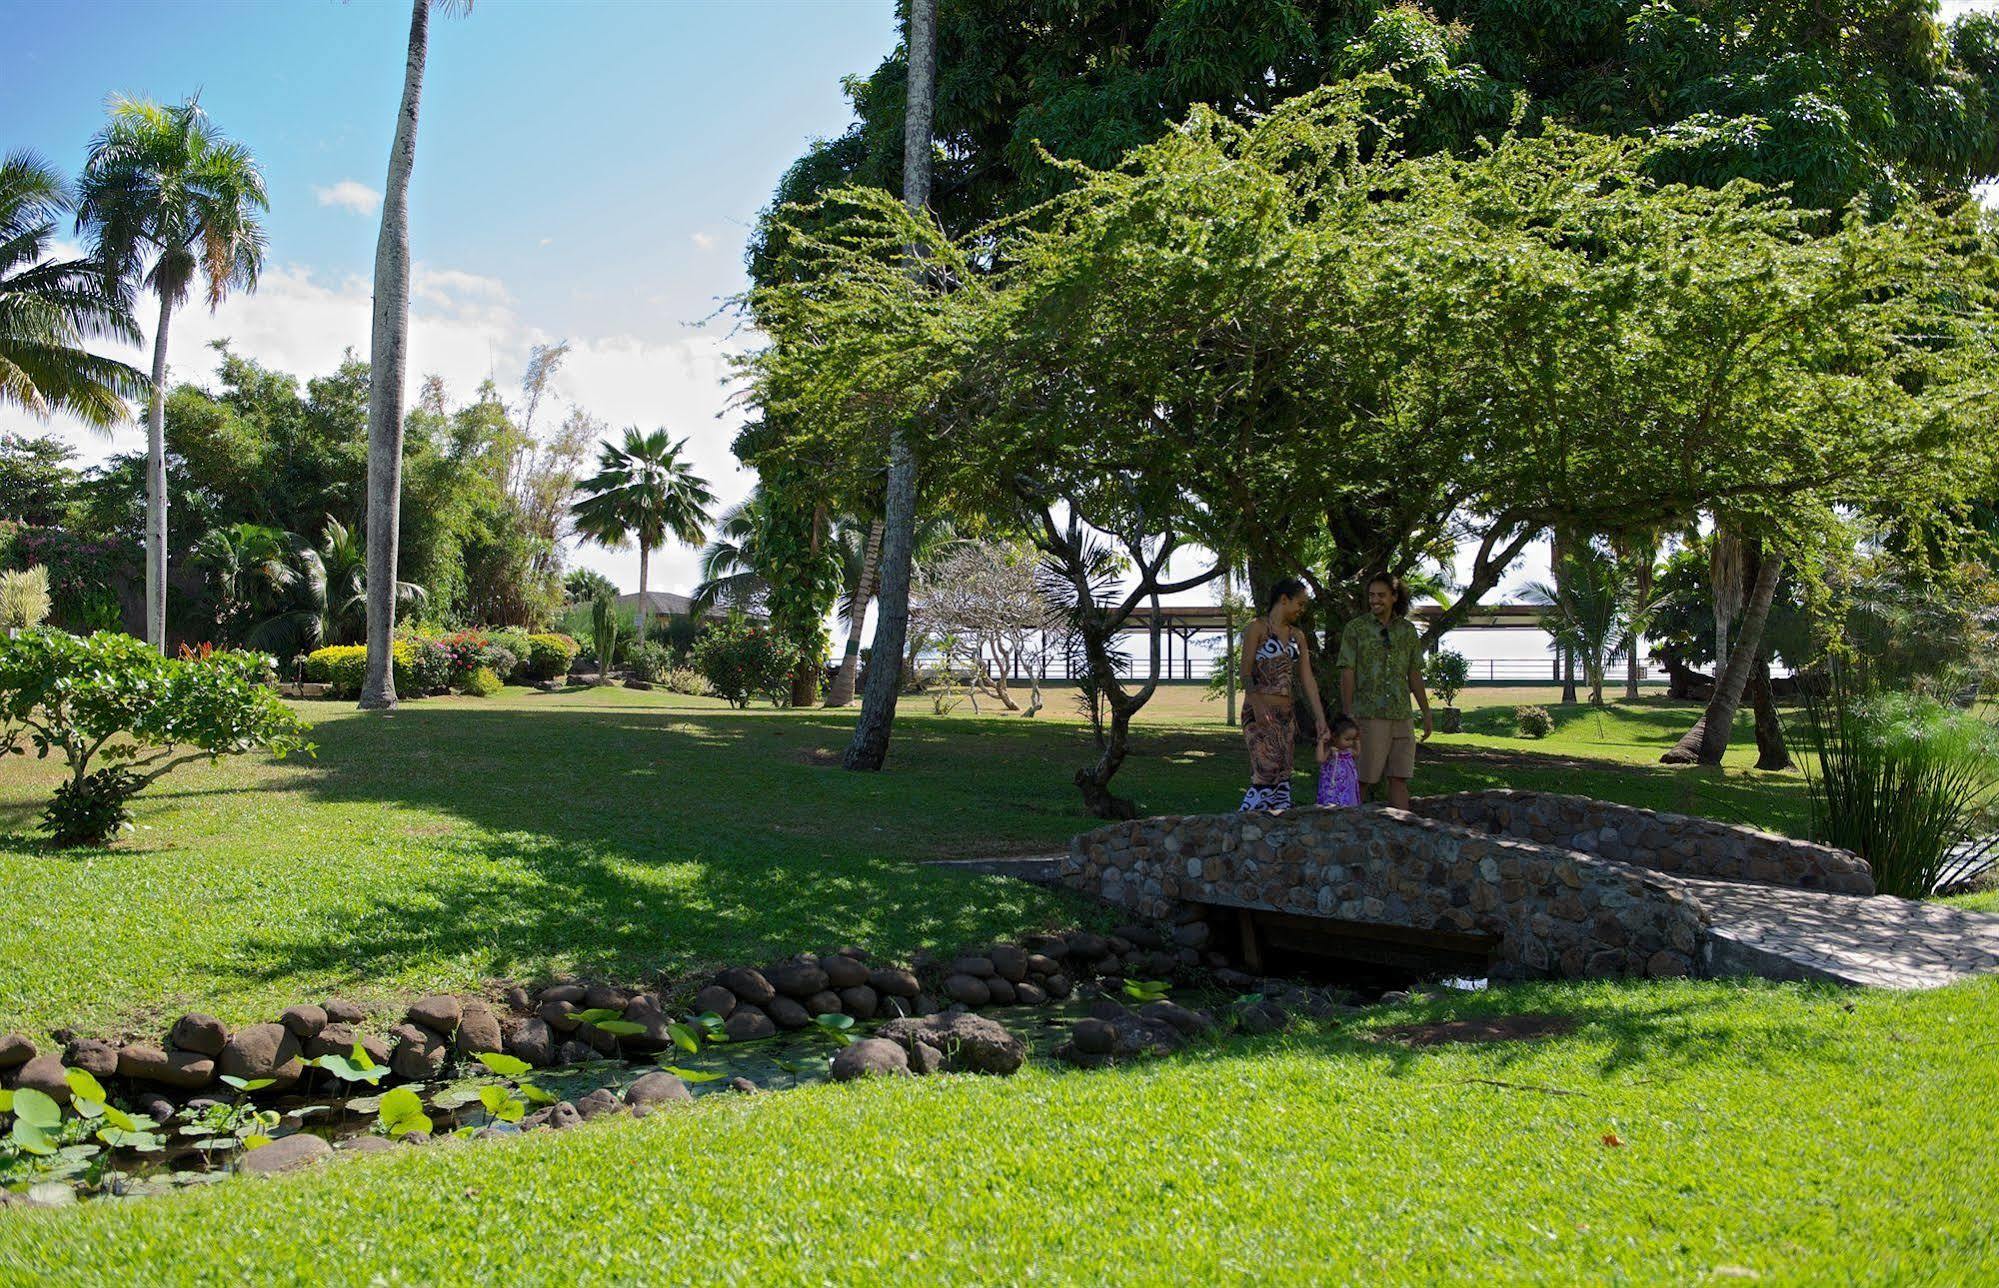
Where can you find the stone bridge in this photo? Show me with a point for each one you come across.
(1528, 884)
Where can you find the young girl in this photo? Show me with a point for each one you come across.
(1339, 780)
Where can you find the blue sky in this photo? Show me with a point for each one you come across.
(585, 171)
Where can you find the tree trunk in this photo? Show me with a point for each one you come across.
(1771, 752)
(645, 600)
(841, 692)
(1634, 663)
(1229, 663)
(156, 488)
(387, 356)
(1708, 739)
(810, 671)
(1558, 555)
(871, 733)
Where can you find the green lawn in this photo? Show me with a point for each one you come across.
(620, 833)
(1791, 1135)
(1796, 1134)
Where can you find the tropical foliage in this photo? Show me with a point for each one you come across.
(50, 308)
(643, 492)
(122, 717)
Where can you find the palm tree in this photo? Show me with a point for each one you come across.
(163, 184)
(329, 581)
(49, 307)
(388, 354)
(245, 557)
(860, 551)
(1587, 612)
(643, 491)
(871, 732)
(733, 561)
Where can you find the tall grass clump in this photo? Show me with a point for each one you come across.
(1900, 779)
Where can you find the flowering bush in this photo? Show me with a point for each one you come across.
(428, 666)
(742, 660)
(548, 656)
(121, 716)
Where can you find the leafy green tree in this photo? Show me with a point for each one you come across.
(643, 492)
(165, 194)
(49, 309)
(122, 717)
(37, 480)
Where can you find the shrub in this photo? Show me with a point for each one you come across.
(514, 640)
(1446, 671)
(429, 666)
(1533, 722)
(344, 668)
(548, 656)
(687, 680)
(122, 717)
(24, 599)
(1903, 781)
(742, 660)
(482, 682)
(604, 630)
(648, 662)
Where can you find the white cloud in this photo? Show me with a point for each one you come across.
(546, 240)
(463, 327)
(705, 241)
(349, 194)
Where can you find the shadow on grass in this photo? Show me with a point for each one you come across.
(622, 840)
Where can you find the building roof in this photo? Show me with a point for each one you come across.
(665, 601)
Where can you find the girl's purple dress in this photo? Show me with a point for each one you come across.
(1339, 782)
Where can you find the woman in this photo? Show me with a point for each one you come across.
(1273, 650)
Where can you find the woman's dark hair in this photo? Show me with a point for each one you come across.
(1281, 588)
(1396, 587)
(1340, 724)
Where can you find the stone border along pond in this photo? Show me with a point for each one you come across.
(99, 1120)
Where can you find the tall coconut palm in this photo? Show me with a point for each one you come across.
(162, 185)
(871, 732)
(643, 491)
(49, 307)
(388, 357)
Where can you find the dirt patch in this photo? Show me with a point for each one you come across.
(1492, 758)
(1487, 1028)
(822, 757)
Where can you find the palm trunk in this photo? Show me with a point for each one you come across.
(1708, 739)
(842, 691)
(871, 734)
(645, 600)
(1771, 751)
(387, 356)
(1559, 556)
(1634, 664)
(156, 487)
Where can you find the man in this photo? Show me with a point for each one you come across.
(1381, 668)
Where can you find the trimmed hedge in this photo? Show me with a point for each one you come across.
(548, 656)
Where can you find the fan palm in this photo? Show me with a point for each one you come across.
(162, 184)
(643, 491)
(49, 307)
(330, 595)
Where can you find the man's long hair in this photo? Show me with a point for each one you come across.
(1396, 587)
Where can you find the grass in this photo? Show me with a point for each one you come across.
(620, 834)
(1779, 1133)
(1792, 1133)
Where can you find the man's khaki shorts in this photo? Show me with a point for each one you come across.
(1387, 750)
